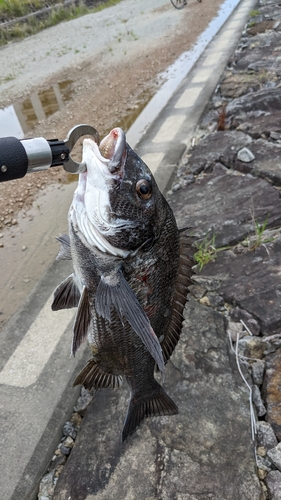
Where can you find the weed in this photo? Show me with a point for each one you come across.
(259, 238)
(135, 37)
(12, 9)
(206, 251)
(8, 78)
(254, 13)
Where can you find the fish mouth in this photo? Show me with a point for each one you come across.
(108, 158)
(113, 149)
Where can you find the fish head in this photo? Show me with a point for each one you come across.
(117, 197)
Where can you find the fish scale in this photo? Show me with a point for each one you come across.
(130, 291)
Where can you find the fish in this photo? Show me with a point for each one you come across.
(132, 267)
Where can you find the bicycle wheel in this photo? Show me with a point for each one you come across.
(178, 4)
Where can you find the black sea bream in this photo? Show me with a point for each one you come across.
(132, 267)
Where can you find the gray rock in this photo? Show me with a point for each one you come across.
(46, 488)
(265, 101)
(260, 125)
(235, 330)
(252, 347)
(251, 281)
(267, 161)
(69, 430)
(263, 463)
(215, 299)
(83, 401)
(218, 147)
(258, 402)
(235, 85)
(222, 205)
(265, 435)
(263, 57)
(197, 291)
(65, 450)
(245, 155)
(258, 371)
(273, 483)
(274, 454)
(205, 450)
(238, 314)
(276, 136)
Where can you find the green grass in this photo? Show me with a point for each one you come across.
(12, 9)
(258, 238)
(254, 13)
(206, 251)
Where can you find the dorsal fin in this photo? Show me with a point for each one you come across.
(182, 283)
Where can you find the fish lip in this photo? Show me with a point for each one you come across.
(114, 148)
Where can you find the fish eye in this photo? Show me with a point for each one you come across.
(144, 189)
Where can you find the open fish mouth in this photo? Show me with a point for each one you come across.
(109, 156)
(113, 148)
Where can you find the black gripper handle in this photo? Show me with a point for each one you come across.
(13, 159)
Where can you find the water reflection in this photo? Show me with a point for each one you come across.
(19, 119)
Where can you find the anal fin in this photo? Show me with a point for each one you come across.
(92, 376)
(158, 403)
(66, 295)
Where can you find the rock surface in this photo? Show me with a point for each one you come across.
(271, 391)
(273, 481)
(186, 456)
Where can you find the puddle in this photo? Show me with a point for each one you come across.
(19, 119)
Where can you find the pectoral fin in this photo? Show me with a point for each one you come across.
(64, 251)
(66, 295)
(114, 290)
(82, 321)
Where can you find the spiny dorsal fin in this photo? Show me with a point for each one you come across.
(66, 295)
(114, 290)
(82, 321)
(64, 251)
(93, 376)
(182, 283)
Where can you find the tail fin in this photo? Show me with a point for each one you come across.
(156, 404)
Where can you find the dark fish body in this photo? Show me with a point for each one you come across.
(132, 268)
